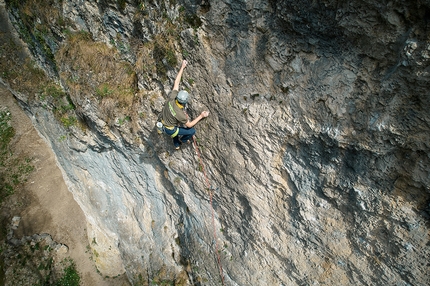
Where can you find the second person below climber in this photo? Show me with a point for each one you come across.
(175, 121)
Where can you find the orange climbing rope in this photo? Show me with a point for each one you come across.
(213, 215)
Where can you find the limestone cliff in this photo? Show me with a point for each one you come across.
(316, 150)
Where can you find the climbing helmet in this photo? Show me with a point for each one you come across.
(182, 97)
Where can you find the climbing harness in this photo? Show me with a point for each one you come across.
(210, 189)
(174, 134)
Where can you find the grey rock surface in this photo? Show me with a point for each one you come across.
(316, 150)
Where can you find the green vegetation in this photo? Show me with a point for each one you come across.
(121, 121)
(164, 278)
(52, 90)
(14, 170)
(171, 58)
(160, 54)
(40, 264)
(103, 91)
(68, 121)
(92, 70)
(200, 167)
(6, 132)
(185, 54)
(60, 103)
(70, 275)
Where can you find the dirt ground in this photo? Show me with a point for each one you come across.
(44, 203)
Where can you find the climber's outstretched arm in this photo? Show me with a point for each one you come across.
(179, 76)
(190, 124)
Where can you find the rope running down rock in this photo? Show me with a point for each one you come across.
(213, 215)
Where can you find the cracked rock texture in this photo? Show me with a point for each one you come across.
(316, 150)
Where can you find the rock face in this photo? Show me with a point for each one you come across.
(315, 158)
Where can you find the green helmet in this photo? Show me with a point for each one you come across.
(182, 97)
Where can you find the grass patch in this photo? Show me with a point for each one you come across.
(70, 275)
(6, 132)
(52, 90)
(93, 70)
(121, 121)
(32, 265)
(104, 90)
(68, 121)
(96, 68)
(13, 170)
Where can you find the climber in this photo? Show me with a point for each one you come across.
(175, 121)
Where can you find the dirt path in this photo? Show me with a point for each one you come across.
(45, 205)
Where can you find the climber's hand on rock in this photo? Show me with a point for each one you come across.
(205, 114)
(184, 64)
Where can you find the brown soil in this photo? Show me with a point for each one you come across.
(44, 203)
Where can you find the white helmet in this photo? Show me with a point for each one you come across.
(182, 97)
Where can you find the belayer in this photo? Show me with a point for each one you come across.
(174, 120)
